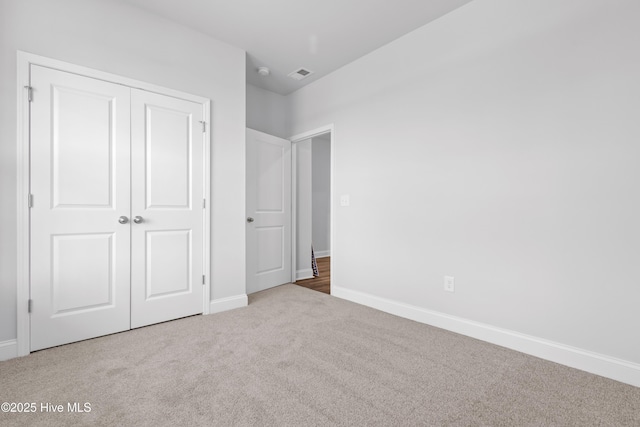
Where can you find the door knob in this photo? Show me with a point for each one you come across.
(123, 220)
(137, 219)
(249, 219)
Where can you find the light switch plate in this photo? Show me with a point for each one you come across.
(344, 200)
(449, 283)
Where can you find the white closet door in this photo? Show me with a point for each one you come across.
(80, 181)
(167, 196)
(268, 236)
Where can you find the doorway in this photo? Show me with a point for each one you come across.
(280, 189)
(312, 184)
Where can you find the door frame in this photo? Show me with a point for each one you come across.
(322, 130)
(24, 62)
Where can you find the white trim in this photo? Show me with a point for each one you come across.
(294, 210)
(23, 337)
(8, 349)
(599, 364)
(24, 62)
(322, 130)
(322, 254)
(229, 303)
(206, 193)
(31, 59)
(307, 273)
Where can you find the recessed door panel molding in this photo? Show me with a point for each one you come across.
(168, 261)
(83, 132)
(167, 241)
(83, 272)
(271, 172)
(117, 225)
(270, 242)
(80, 253)
(168, 142)
(268, 211)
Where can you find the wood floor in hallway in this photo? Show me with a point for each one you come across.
(321, 283)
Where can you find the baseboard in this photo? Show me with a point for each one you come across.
(8, 349)
(307, 273)
(322, 254)
(599, 364)
(229, 303)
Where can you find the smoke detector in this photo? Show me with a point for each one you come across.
(264, 71)
(300, 73)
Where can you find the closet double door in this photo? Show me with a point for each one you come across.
(117, 207)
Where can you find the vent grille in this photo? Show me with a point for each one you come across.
(300, 73)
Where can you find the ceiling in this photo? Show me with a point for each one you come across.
(284, 35)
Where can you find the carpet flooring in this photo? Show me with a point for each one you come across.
(295, 357)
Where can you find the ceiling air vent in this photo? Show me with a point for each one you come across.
(300, 74)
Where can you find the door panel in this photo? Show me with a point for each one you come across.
(168, 157)
(82, 272)
(270, 166)
(80, 181)
(269, 204)
(73, 157)
(270, 243)
(168, 269)
(167, 188)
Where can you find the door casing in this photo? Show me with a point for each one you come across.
(323, 130)
(24, 62)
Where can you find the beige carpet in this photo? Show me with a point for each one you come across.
(297, 357)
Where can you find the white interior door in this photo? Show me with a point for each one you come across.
(268, 211)
(80, 182)
(117, 222)
(167, 208)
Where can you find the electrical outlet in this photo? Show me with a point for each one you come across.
(344, 200)
(449, 283)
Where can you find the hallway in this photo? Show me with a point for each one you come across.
(321, 283)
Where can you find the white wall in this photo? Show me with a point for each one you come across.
(303, 213)
(321, 195)
(499, 145)
(112, 37)
(267, 112)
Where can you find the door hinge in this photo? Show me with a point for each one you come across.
(203, 279)
(30, 200)
(204, 203)
(29, 93)
(204, 126)
(29, 305)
